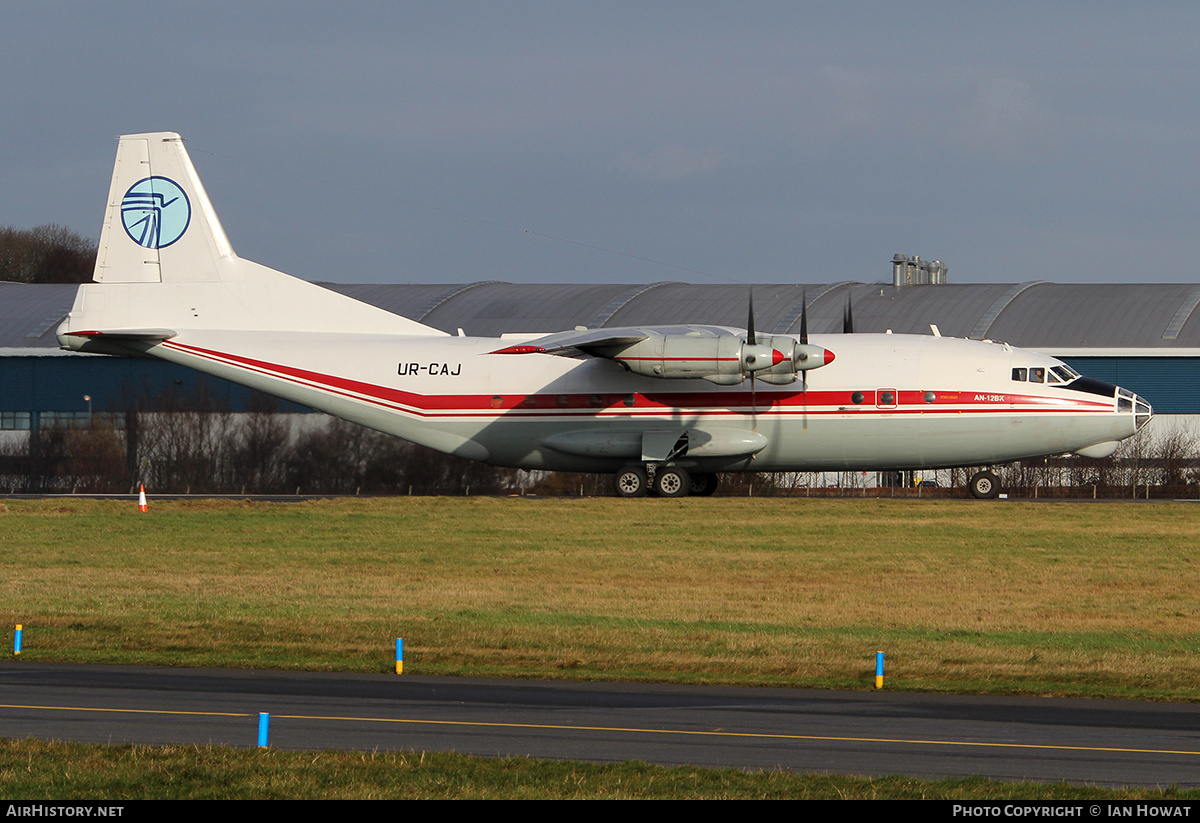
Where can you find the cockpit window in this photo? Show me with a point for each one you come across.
(1040, 374)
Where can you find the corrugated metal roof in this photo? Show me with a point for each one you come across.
(955, 309)
(1116, 315)
(1034, 315)
(492, 309)
(29, 314)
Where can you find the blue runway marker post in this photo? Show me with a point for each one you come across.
(399, 655)
(264, 721)
(17, 641)
(879, 670)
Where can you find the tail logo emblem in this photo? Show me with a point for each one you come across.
(155, 212)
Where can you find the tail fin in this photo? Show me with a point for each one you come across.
(159, 225)
(164, 263)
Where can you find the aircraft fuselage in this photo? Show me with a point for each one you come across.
(887, 401)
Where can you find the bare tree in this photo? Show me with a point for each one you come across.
(1175, 454)
(46, 254)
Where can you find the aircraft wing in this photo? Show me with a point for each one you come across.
(724, 356)
(590, 341)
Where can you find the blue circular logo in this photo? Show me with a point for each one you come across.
(155, 212)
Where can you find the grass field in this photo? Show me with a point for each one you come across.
(35, 770)
(1034, 598)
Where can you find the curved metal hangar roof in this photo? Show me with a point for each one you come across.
(1035, 314)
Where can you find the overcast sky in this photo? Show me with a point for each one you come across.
(631, 142)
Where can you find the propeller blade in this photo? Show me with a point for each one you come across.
(848, 318)
(804, 407)
(750, 338)
(804, 318)
(804, 372)
(753, 405)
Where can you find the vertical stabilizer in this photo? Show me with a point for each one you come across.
(159, 224)
(164, 262)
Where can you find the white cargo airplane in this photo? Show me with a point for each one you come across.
(664, 408)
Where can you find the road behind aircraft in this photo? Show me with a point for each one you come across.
(662, 408)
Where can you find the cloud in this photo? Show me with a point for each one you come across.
(670, 162)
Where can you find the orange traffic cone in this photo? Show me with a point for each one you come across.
(142, 507)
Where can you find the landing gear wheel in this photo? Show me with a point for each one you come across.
(631, 482)
(703, 485)
(984, 486)
(672, 482)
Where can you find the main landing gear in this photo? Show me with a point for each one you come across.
(631, 482)
(668, 481)
(984, 485)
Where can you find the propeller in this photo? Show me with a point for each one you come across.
(779, 360)
(804, 373)
(804, 318)
(848, 317)
(752, 340)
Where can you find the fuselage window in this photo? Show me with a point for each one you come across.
(1020, 375)
(1037, 375)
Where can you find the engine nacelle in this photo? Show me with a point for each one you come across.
(684, 356)
(725, 359)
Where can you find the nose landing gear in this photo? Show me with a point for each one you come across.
(984, 485)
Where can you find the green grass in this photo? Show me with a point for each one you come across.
(34, 770)
(1063, 599)
(1051, 599)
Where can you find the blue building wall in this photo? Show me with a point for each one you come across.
(58, 384)
(1170, 384)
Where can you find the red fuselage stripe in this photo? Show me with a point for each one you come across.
(609, 404)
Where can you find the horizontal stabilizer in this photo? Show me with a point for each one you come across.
(141, 335)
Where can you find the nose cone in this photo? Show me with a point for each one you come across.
(1133, 412)
(1128, 403)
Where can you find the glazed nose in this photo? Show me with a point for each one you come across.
(1127, 401)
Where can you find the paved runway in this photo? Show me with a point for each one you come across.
(869, 733)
